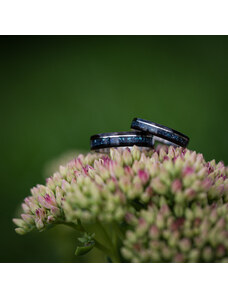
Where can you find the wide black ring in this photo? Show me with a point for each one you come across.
(160, 131)
(121, 139)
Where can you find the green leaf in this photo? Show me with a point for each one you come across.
(82, 239)
(82, 250)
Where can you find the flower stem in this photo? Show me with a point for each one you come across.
(102, 247)
(104, 234)
(113, 250)
(110, 251)
(78, 227)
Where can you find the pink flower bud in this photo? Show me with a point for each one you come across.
(185, 245)
(129, 171)
(220, 251)
(50, 183)
(65, 185)
(25, 208)
(19, 222)
(127, 157)
(189, 193)
(179, 258)
(39, 223)
(78, 163)
(142, 222)
(50, 219)
(177, 224)
(129, 217)
(154, 232)
(206, 183)
(40, 213)
(28, 218)
(32, 203)
(158, 186)
(187, 171)
(47, 201)
(162, 153)
(171, 152)
(55, 211)
(63, 171)
(144, 176)
(176, 186)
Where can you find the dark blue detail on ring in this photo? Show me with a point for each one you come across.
(121, 141)
(160, 131)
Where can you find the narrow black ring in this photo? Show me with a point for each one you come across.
(121, 139)
(160, 131)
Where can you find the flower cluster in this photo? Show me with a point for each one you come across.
(135, 184)
(156, 235)
(45, 205)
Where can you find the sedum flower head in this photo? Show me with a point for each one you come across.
(157, 235)
(134, 189)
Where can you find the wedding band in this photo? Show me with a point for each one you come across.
(161, 133)
(121, 139)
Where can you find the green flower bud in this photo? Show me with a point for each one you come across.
(136, 154)
(20, 231)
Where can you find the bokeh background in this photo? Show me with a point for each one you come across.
(56, 91)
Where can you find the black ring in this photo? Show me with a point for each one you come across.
(121, 139)
(160, 131)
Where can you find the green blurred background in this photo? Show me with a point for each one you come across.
(57, 91)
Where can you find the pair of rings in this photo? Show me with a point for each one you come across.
(144, 134)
